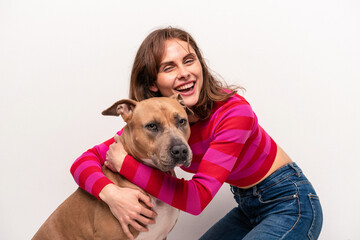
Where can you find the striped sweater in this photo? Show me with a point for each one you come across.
(229, 146)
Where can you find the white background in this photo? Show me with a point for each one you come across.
(62, 62)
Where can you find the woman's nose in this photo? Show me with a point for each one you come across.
(183, 73)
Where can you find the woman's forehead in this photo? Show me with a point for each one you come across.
(175, 47)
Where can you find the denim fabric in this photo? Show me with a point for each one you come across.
(283, 206)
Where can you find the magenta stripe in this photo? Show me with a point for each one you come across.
(142, 175)
(193, 167)
(214, 116)
(233, 98)
(233, 135)
(102, 150)
(254, 167)
(245, 160)
(208, 181)
(90, 181)
(83, 166)
(238, 111)
(200, 147)
(249, 171)
(167, 190)
(251, 151)
(259, 161)
(85, 154)
(193, 204)
(219, 158)
(268, 142)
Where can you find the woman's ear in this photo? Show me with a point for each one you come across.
(154, 88)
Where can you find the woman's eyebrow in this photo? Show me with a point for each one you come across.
(172, 62)
(190, 55)
(166, 63)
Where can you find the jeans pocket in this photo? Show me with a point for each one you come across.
(282, 190)
(316, 224)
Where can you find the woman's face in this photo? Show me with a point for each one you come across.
(180, 72)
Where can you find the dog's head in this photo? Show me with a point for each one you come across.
(156, 131)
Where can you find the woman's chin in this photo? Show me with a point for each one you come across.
(190, 101)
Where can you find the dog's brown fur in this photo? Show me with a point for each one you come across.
(81, 209)
(82, 216)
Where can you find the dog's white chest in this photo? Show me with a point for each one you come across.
(165, 221)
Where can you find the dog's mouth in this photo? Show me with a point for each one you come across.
(166, 166)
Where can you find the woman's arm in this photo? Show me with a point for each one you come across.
(233, 128)
(86, 169)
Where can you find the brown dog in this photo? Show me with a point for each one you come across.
(156, 134)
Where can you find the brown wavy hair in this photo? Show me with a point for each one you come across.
(146, 67)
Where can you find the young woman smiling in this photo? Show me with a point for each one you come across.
(275, 199)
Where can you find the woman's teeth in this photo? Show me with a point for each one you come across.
(185, 87)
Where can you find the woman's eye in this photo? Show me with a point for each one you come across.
(168, 69)
(189, 61)
(182, 122)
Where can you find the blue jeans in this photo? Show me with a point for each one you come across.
(283, 206)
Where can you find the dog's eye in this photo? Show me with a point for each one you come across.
(182, 121)
(152, 127)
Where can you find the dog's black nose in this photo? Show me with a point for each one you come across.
(179, 152)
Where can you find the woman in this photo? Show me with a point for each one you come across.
(275, 199)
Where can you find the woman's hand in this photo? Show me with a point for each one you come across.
(115, 155)
(125, 206)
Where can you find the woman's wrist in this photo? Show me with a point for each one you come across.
(106, 191)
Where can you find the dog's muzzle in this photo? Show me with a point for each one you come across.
(180, 154)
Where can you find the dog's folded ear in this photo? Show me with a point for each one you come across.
(182, 103)
(124, 107)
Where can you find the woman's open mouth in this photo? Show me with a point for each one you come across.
(186, 89)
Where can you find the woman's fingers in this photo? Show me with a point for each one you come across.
(146, 199)
(125, 227)
(144, 220)
(138, 226)
(115, 155)
(148, 213)
(145, 211)
(125, 205)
